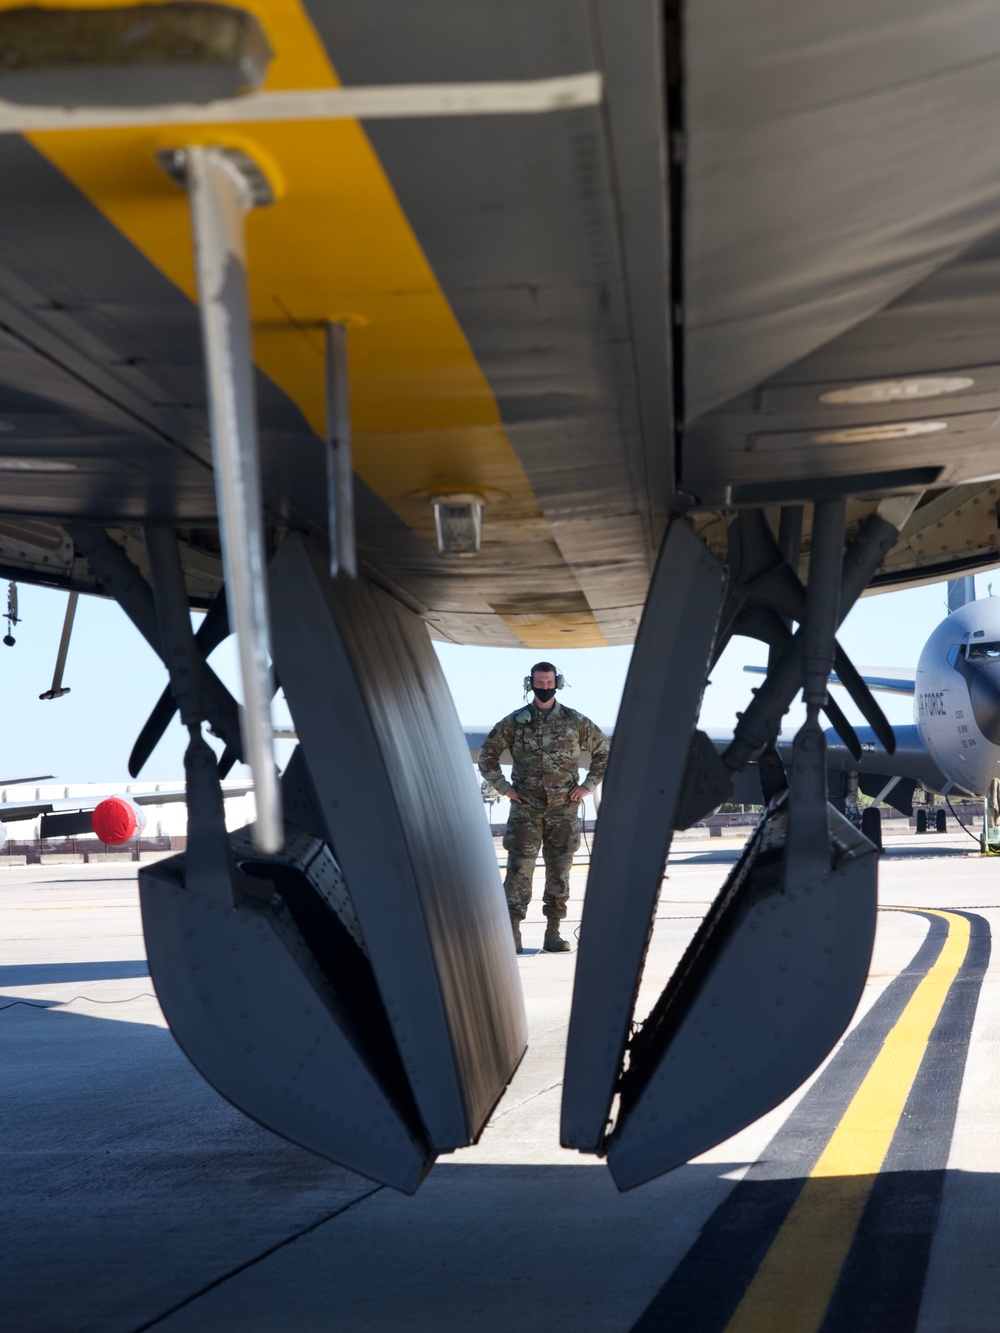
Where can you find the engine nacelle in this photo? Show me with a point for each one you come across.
(117, 820)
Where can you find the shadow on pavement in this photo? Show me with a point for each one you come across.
(126, 1179)
(929, 852)
(130, 1189)
(881, 1287)
(724, 856)
(53, 974)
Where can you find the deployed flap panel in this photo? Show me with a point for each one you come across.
(777, 967)
(765, 989)
(641, 792)
(390, 771)
(271, 998)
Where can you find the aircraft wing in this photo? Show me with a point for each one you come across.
(888, 680)
(474, 739)
(19, 812)
(911, 759)
(911, 763)
(513, 247)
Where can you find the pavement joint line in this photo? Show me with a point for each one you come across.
(803, 1263)
(540, 1093)
(258, 1258)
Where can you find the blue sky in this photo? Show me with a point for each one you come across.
(115, 679)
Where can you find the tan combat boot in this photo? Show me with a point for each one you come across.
(515, 925)
(554, 942)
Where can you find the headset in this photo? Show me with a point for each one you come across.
(560, 680)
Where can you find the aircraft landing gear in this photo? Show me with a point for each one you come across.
(852, 807)
(871, 826)
(924, 818)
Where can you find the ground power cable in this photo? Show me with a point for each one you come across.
(89, 999)
(958, 818)
(590, 857)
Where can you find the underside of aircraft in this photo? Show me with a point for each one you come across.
(683, 314)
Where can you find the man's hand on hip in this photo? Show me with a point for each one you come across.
(578, 793)
(513, 796)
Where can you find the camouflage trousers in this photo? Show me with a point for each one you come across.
(556, 830)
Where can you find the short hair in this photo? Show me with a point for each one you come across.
(542, 666)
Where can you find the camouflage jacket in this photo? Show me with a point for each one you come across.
(545, 748)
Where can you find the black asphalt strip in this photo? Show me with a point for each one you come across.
(881, 1283)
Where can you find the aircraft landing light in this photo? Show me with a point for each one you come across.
(458, 521)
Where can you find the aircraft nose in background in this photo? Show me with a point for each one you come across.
(984, 690)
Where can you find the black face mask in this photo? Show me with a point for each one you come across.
(543, 696)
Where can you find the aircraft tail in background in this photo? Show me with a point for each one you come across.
(961, 592)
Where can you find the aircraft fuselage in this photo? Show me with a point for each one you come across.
(956, 702)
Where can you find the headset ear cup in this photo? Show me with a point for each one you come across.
(560, 682)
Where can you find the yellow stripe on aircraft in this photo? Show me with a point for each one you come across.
(791, 1290)
(335, 246)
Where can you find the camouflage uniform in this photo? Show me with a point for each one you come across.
(545, 746)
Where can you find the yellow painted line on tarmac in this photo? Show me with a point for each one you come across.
(791, 1289)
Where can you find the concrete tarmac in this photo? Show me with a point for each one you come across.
(133, 1198)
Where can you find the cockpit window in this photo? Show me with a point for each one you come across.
(982, 652)
(953, 653)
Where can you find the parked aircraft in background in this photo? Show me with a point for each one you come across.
(953, 743)
(117, 820)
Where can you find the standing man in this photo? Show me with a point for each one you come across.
(545, 740)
